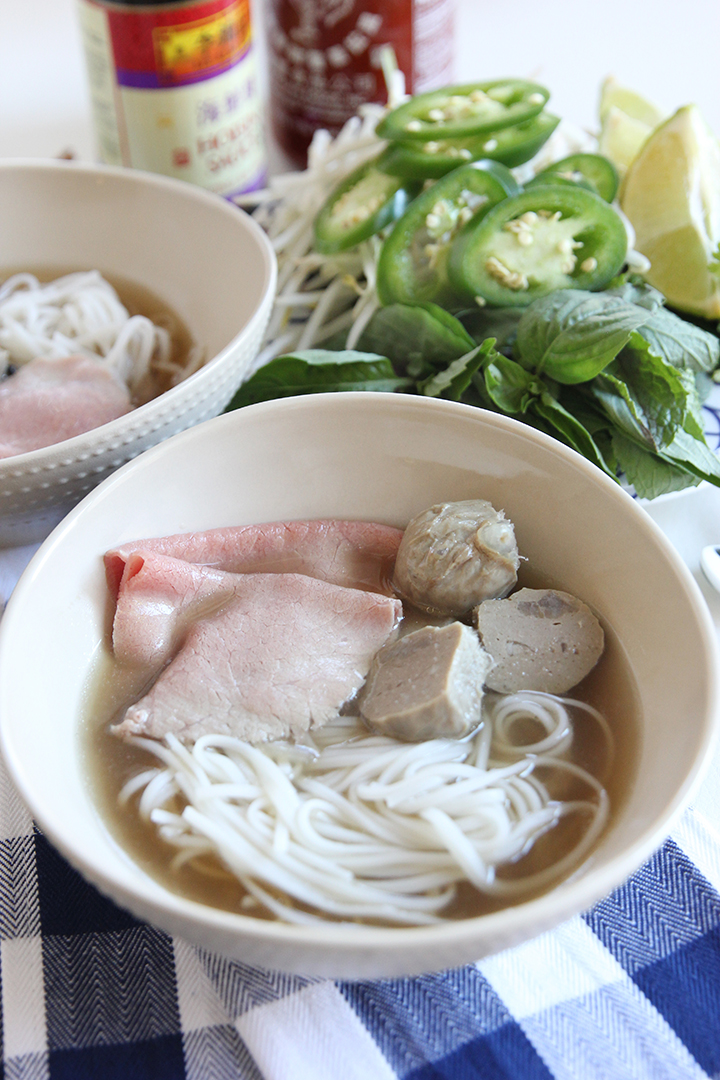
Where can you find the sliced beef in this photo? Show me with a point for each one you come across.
(539, 639)
(359, 554)
(283, 655)
(47, 401)
(158, 598)
(455, 555)
(427, 685)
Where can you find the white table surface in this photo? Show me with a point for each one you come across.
(665, 50)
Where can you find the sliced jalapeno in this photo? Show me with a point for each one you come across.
(547, 238)
(363, 204)
(592, 171)
(510, 146)
(469, 109)
(413, 259)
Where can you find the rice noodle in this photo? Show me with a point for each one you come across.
(81, 314)
(362, 826)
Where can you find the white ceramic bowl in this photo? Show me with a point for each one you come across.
(379, 457)
(205, 258)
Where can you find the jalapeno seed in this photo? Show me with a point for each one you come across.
(412, 263)
(547, 238)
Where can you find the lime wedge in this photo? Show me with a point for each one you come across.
(626, 120)
(622, 138)
(671, 195)
(615, 96)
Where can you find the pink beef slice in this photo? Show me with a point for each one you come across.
(158, 598)
(48, 401)
(359, 554)
(281, 657)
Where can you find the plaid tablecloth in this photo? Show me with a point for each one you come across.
(628, 991)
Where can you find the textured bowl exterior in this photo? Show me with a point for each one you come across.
(37, 489)
(382, 457)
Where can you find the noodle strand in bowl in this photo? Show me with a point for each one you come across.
(81, 314)
(354, 825)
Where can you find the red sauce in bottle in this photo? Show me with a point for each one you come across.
(325, 59)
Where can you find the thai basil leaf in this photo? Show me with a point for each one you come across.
(510, 387)
(572, 335)
(596, 423)
(418, 338)
(681, 343)
(499, 323)
(453, 382)
(337, 342)
(573, 431)
(450, 322)
(316, 371)
(514, 390)
(625, 414)
(694, 455)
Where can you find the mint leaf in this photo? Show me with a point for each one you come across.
(681, 343)
(572, 335)
(632, 288)
(657, 387)
(316, 371)
(649, 474)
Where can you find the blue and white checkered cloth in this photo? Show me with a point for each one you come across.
(630, 990)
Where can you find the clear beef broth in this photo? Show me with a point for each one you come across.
(610, 688)
(139, 300)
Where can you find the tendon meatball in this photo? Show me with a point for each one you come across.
(455, 555)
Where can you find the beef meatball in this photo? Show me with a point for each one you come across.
(427, 685)
(539, 639)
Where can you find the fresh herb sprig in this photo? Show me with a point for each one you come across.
(612, 374)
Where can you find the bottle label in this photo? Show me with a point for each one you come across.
(174, 91)
(325, 57)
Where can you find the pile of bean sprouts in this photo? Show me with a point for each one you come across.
(361, 826)
(81, 314)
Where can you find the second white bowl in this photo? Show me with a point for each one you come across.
(206, 259)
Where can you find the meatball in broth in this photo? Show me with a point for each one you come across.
(455, 555)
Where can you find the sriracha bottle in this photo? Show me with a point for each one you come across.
(325, 59)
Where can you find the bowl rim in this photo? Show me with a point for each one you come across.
(125, 425)
(570, 896)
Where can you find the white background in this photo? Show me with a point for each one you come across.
(667, 50)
